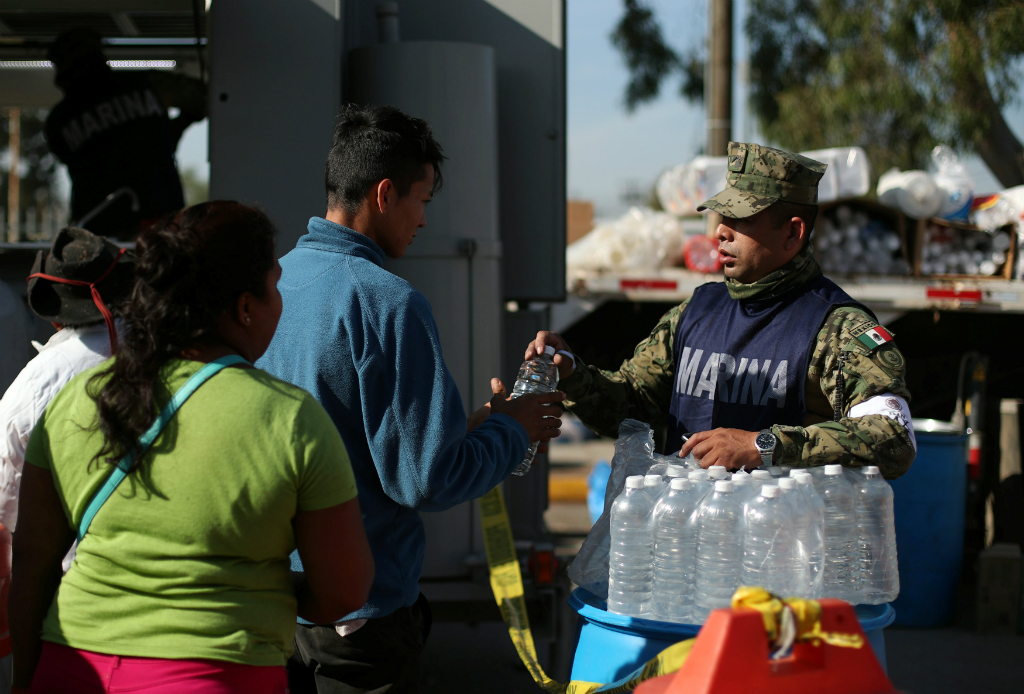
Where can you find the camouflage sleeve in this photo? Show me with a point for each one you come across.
(852, 441)
(640, 389)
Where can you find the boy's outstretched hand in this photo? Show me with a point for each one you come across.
(538, 412)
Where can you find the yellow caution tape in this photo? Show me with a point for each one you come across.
(806, 615)
(507, 585)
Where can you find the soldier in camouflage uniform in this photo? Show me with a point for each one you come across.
(853, 408)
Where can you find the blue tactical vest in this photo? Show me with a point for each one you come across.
(742, 364)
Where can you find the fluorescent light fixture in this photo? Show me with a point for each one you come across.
(142, 64)
(116, 64)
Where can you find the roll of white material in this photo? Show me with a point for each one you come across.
(913, 192)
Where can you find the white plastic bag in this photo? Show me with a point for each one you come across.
(912, 192)
(682, 189)
(848, 174)
(640, 239)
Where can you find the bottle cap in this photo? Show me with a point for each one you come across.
(787, 483)
(833, 469)
(872, 470)
(652, 480)
(635, 482)
(698, 475)
(679, 483)
(675, 471)
(769, 491)
(549, 350)
(798, 471)
(718, 472)
(723, 486)
(804, 479)
(761, 475)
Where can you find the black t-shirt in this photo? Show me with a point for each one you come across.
(112, 131)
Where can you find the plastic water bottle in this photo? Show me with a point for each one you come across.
(675, 546)
(718, 472)
(876, 539)
(654, 486)
(817, 504)
(817, 507)
(701, 484)
(742, 487)
(719, 551)
(768, 542)
(631, 553)
(807, 545)
(537, 375)
(842, 560)
(673, 472)
(761, 477)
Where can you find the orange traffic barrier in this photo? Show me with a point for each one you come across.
(731, 655)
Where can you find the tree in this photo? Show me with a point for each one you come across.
(893, 76)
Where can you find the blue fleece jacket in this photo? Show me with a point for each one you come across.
(365, 344)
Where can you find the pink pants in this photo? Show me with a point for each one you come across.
(64, 670)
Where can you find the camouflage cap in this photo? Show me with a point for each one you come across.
(760, 176)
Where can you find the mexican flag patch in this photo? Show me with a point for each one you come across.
(876, 337)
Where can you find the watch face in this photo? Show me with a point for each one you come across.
(764, 441)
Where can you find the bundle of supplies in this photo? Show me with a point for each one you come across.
(852, 241)
(681, 544)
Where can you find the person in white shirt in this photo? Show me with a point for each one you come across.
(14, 337)
(78, 286)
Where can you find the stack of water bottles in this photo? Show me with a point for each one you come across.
(683, 541)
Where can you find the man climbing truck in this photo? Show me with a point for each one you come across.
(777, 365)
(113, 131)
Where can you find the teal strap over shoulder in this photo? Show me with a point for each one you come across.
(177, 400)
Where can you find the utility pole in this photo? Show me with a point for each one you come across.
(13, 180)
(718, 88)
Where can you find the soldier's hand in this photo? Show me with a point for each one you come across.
(731, 448)
(565, 365)
(538, 413)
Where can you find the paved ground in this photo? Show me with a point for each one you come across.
(476, 659)
(954, 661)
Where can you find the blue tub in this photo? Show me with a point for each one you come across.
(929, 502)
(610, 646)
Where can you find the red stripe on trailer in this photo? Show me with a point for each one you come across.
(659, 285)
(954, 294)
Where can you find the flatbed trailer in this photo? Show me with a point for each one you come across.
(888, 295)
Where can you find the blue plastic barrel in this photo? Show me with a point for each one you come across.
(929, 507)
(610, 646)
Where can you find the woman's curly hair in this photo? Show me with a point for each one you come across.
(190, 269)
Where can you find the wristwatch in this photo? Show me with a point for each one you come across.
(765, 444)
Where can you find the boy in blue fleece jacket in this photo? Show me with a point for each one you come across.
(363, 341)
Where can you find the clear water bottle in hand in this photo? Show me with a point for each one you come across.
(768, 542)
(675, 546)
(537, 375)
(631, 553)
(876, 539)
(719, 551)
(842, 559)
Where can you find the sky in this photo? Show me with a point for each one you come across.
(611, 151)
